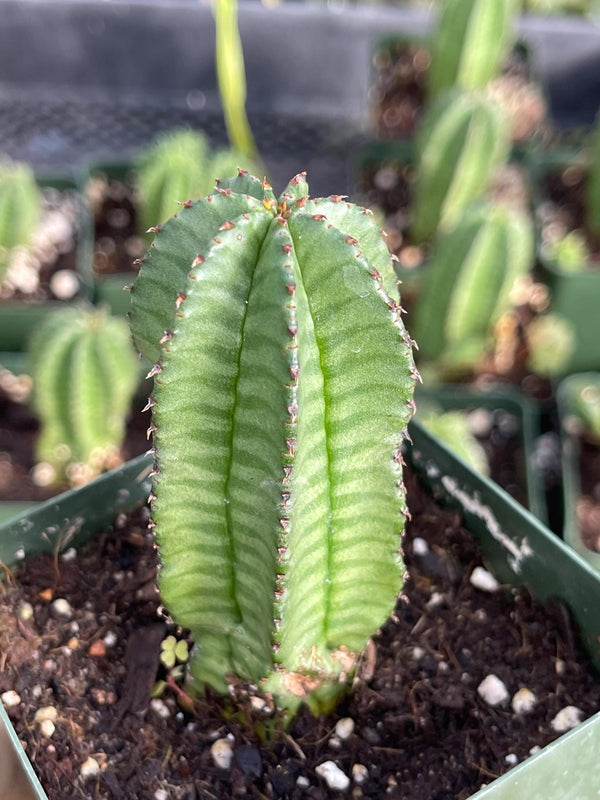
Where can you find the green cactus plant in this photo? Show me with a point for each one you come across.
(550, 342)
(283, 387)
(585, 405)
(470, 42)
(20, 204)
(84, 372)
(468, 284)
(462, 140)
(177, 167)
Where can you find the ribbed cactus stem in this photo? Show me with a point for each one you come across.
(468, 286)
(470, 43)
(283, 386)
(20, 205)
(462, 140)
(84, 374)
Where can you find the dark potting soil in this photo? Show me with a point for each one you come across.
(419, 726)
(588, 505)
(117, 240)
(18, 431)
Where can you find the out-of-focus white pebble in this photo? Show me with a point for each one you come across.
(567, 718)
(222, 753)
(161, 794)
(420, 546)
(483, 580)
(492, 690)
(511, 759)
(333, 776)
(46, 713)
(47, 728)
(437, 599)
(89, 769)
(64, 284)
(535, 749)
(25, 612)
(110, 639)
(10, 698)
(302, 782)
(160, 707)
(360, 774)
(69, 555)
(560, 666)
(61, 608)
(344, 728)
(523, 701)
(418, 653)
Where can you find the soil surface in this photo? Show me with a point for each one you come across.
(415, 726)
(117, 241)
(18, 431)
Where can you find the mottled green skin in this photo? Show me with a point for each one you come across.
(470, 43)
(283, 389)
(85, 372)
(462, 140)
(467, 287)
(180, 166)
(20, 203)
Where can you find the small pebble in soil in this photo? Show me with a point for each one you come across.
(47, 728)
(567, 718)
(25, 612)
(344, 728)
(420, 546)
(47, 713)
(161, 794)
(523, 701)
(10, 698)
(61, 608)
(69, 555)
(302, 782)
(511, 759)
(97, 648)
(110, 639)
(334, 777)
(160, 707)
(484, 580)
(89, 769)
(492, 690)
(360, 774)
(221, 752)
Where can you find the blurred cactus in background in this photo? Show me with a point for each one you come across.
(453, 429)
(468, 285)
(585, 405)
(180, 166)
(20, 205)
(470, 43)
(462, 139)
(550, 344)
(85, 373)
(592, 186)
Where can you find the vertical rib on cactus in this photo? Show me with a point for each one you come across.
(470, 42)
(84, 373)
(20, 203)
(282, 398)
(463, 138)
(470, 277)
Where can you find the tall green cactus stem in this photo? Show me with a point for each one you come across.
(592, 186)
(84, 372)
(468, 285)
(178, 167)
(283, 387)
(463, 138)
(470, 43)
(20, 204)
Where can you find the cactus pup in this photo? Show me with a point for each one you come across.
(283, 387)
(84, 372)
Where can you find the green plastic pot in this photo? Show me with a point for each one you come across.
(573, 295)
(570, 462)
(504, 398)
(17, 318)
(518, 547)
